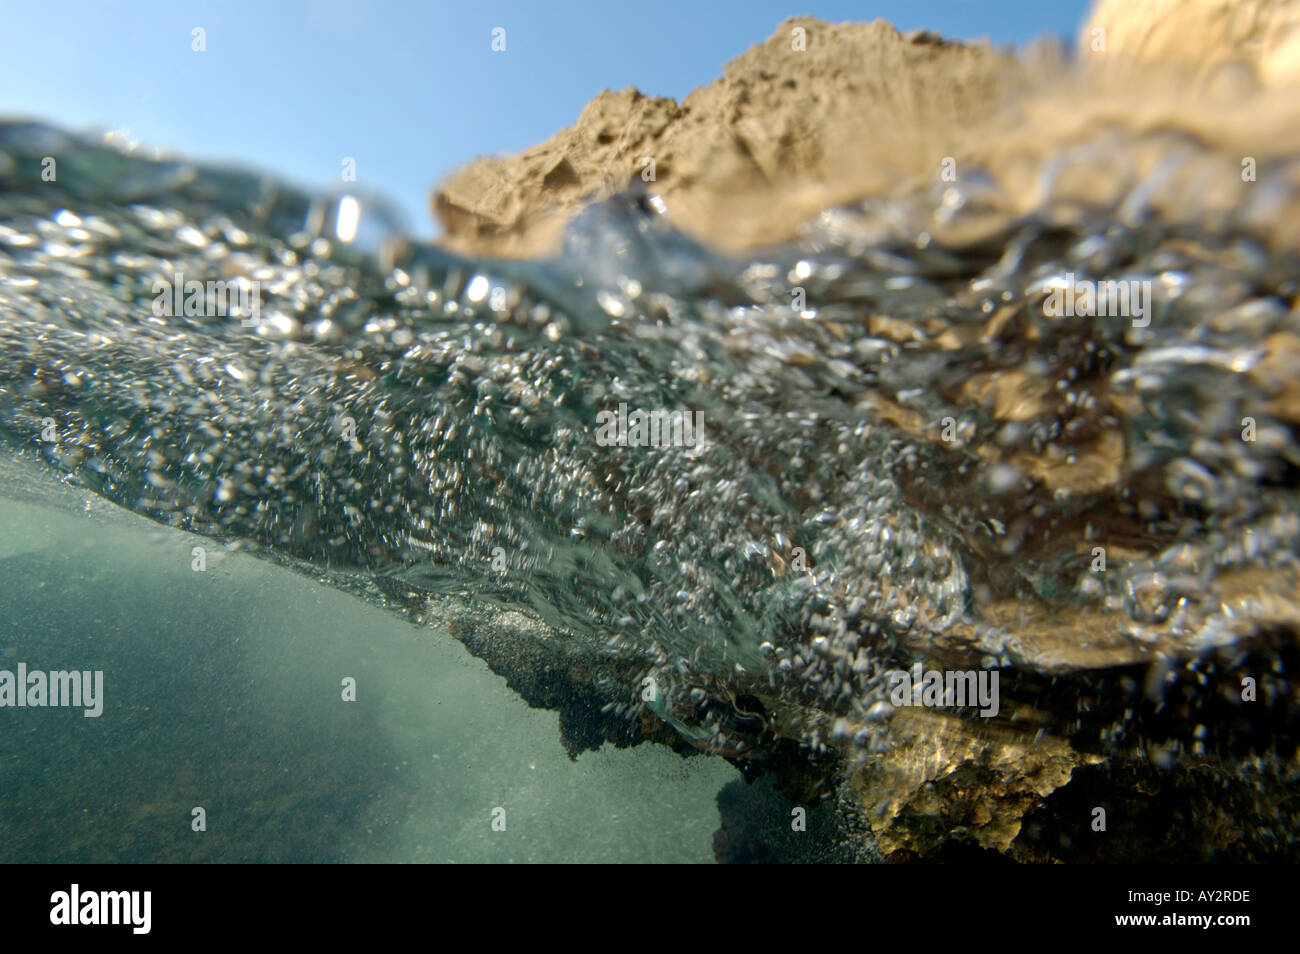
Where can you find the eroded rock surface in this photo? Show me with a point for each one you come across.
(784, 133)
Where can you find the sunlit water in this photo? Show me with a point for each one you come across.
(903, 455)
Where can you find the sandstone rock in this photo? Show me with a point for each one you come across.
(784, 133)
(866, 111)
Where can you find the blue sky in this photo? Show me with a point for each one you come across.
(409, 89)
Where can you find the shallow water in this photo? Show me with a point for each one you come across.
(222, 691)
(914, 461)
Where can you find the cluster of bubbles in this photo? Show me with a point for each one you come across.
(914, 461)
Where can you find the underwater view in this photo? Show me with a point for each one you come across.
(837, 467)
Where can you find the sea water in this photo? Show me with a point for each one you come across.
(244, 422)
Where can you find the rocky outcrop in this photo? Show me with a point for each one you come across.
(865, 111)
(817, 114)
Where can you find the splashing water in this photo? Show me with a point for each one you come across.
(906, 454)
